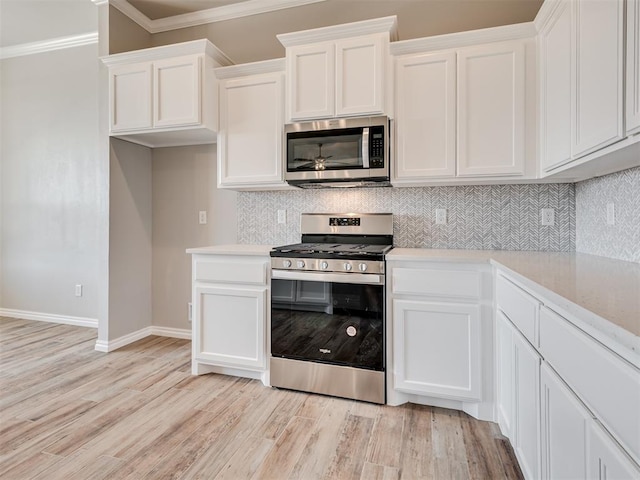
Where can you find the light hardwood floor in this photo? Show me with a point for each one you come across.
(69, 412)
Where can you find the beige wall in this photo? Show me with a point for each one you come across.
(51, 185)
(184, 180)
(124, 34)
(130, 239)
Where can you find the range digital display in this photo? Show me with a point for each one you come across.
(344, 221)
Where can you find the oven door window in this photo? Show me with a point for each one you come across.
(321, 151)
(337, 323)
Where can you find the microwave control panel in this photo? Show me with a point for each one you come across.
(376, 147)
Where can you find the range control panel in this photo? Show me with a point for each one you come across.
(344, 221)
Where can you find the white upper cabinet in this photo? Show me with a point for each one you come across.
(633, 67)
(338, 71)
(582, 94)
(465, 114)
(425, 116)
(176, 91)
(130, 96)
(360, 71)
(491, 103)
(555, 77)
(311, 77)
(599, 74)
(165, 96)
(250, 137)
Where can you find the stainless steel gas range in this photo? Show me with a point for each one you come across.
(328, 306)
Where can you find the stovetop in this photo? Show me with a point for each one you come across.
(332, 249)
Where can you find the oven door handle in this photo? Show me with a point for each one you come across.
(360, 278)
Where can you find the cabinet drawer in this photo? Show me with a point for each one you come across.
(228, 271)
(432, 281)
(519, 307)
(606, 383)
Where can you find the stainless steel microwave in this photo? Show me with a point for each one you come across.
(347, 152)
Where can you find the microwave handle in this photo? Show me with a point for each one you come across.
(365, 147)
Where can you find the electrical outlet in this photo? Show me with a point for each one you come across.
(441, 216)
(548, 216)
(190, 311)
(202, 217)
(79, 290)
(611, 214)
(282, 216)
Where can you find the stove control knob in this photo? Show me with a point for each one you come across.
(362, 267)
(286, 263)
(300, 264)
(324, 265)
(347, 267)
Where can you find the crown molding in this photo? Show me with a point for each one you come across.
(211, 15)
(334, 32)
(545, 14)
(464, 39)
(50, 45)
(168, 51)
(254, 68)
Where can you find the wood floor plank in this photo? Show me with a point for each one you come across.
(417, 443)
(67, 411)
(351, 451)
(282, 458)
(321, 447)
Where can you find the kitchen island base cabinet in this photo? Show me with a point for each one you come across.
(230, 315)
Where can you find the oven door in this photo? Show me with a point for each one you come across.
(329, 318)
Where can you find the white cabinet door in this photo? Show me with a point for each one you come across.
(491, 109)
(425, 116)
(359, 76)
(633, 67)
(605, 459)
(130, 96)
(527, 407)
(177, 91)
(599, 74)
(556, 88)
(505, 375)
(311, 81)
(251, 131)
(436, 350)
(564, 423)
(229, 326)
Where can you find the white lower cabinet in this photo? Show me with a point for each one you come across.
(437, 349)
(526, 374)
(230, 315)
(229, 326)
(605, 459)
(438, 322)
(569, 407)
(564, 425)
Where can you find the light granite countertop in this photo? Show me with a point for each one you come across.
(233, 249)
(602, 292)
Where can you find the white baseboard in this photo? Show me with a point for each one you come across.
(50, 317)
(111, 345)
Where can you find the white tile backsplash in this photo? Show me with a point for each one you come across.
(594, 234)
(503, 217)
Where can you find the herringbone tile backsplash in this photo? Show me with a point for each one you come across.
(503, 217)
(593, 235)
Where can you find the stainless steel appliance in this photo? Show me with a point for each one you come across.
(328, 307)
(345, 152)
